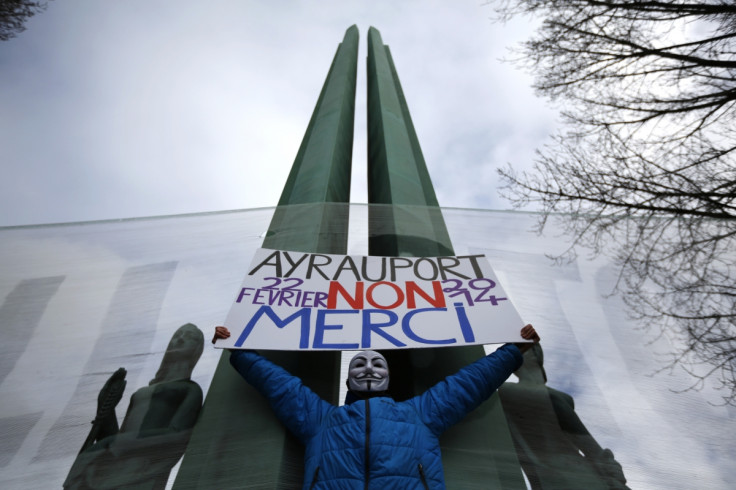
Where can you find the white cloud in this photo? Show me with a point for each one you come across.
(144, 108)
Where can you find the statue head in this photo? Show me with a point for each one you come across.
(368, 372)
(182, 354)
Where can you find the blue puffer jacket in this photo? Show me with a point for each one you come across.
(388, 444)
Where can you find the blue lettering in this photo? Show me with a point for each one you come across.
(304, 313)
(406, 327)
(465, 327)
(369, 326)
(319, 330)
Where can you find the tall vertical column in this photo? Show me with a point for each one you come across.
(397, 173)
(405, 220)
(237, 440)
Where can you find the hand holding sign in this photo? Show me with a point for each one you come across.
(528, 333)
(220, 333)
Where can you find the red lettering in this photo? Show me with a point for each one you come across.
(397, 289)
(355, 301)
(438, 301)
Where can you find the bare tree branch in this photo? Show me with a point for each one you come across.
(646, 168)
(14, 14)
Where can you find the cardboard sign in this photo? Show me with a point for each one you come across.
(308, 301)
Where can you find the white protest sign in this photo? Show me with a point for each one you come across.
(309, 301)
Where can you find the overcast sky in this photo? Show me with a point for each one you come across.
(143, 108)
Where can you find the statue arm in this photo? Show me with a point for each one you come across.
(175, 434)
(149, 443)
(188, 411)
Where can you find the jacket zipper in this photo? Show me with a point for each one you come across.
(367, 442)
(314, 479)
(424, 478)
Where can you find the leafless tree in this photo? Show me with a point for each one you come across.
(14, 14)
(646, 166)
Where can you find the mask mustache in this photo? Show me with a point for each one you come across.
(369, 375)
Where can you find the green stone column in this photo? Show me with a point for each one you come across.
(238, 443)
(405, 220)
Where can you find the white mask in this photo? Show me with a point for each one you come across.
(368, 372)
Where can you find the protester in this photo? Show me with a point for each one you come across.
(373, 441)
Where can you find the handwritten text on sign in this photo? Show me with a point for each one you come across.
(305, 301)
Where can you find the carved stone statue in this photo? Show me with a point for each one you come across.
(554, 448)
(155, 430)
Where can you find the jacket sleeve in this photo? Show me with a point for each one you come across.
(447, 402)
(296, 406)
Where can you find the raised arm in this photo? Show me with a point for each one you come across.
(295, 405)
(447, 402)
